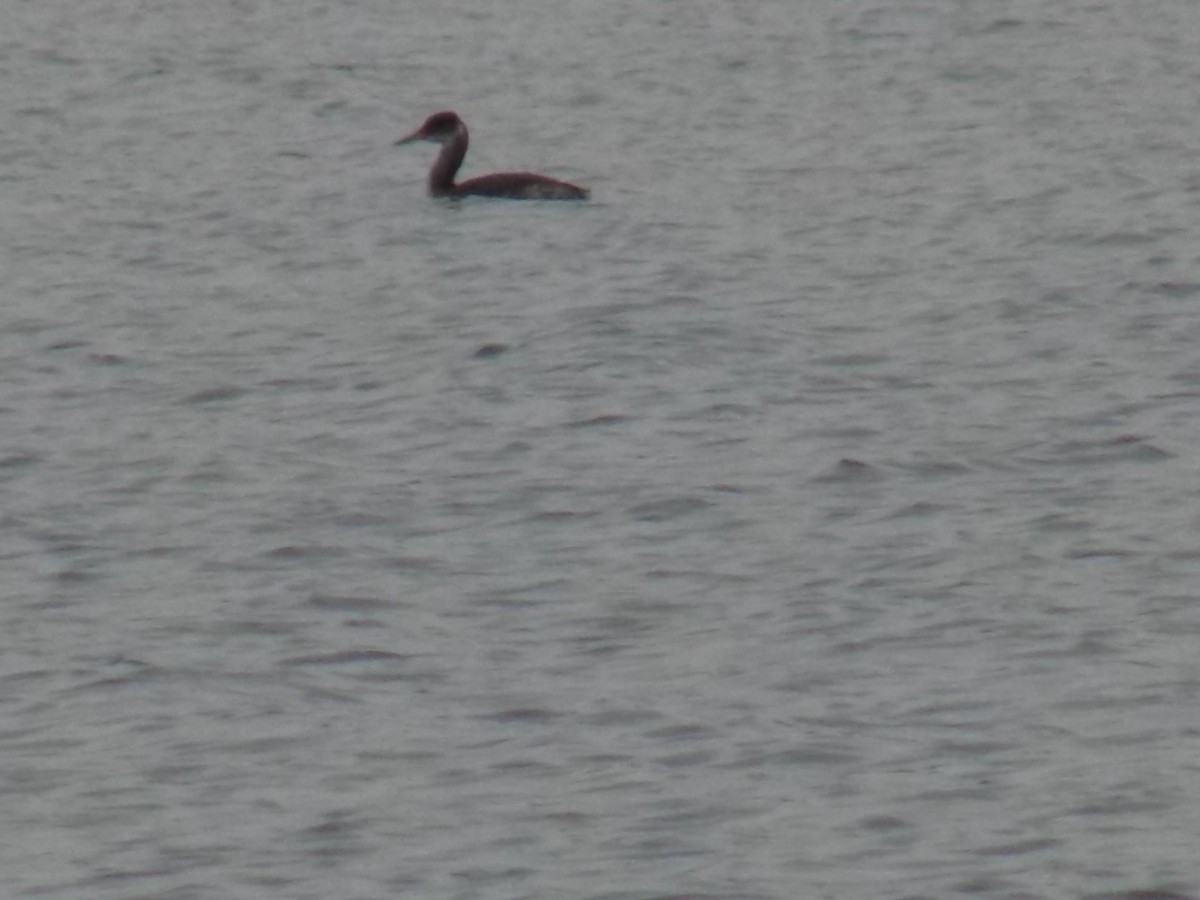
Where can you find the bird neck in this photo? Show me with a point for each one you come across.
(441, 176)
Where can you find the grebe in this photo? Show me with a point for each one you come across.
(447, 129)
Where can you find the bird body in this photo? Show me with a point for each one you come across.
(447, 129)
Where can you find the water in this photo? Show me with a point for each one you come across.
(812, 514)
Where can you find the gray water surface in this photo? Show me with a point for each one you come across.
(813, 514)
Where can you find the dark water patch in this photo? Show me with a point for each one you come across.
(255, 627)
(135, 678)
(621, 761)
(1183, 555)
(704, 577)
(176, 773)
(1094, 552)
(853, 359)
(1123, 448)
(1164, 604)
(530, 594)
(916, 511)
(56, 57)
(21, 679)
(108, 359)
(686, 759)
(884, 823)
(154, 68)
(989, 885)
(725, 488)
(404, 563)
(561, 515)
(304, 551)
(1136, 447)
(308, 383)
(932, 468)
(360, 520)
(524, 715)
(968, 793)
(690, 815)
(1176, 289)
(334, 825)
(718, 412)
(132, 877)
(69, 344)
(1096, 701)
(1120, 239)
(808, 755)
(1002, 25)
(77, 574)
(642, 608)
(1139, 736)
(34, 779)
(1121, 804)
(139, 224)
(46, 748)
(1020, 848)
(1062, 523)
(350, 604)
(668, 508)
(1167, 892)
(489, 351)
(487, 876)
(28, 326)
(536, 769)
(332, 108)
(682, 732)
(598, 421)
(330, 849)
(39, 112)
(20, 461)
(971, 748)
(949, 714)
(614, 717)
(850, 471)
(220, 394)
(347, 658)
(608, 635)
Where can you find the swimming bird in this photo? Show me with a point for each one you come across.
(447, 129)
